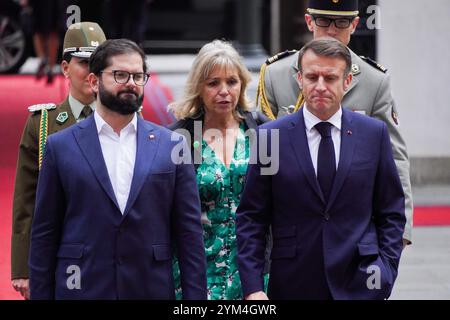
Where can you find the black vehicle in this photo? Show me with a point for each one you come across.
(14, 41)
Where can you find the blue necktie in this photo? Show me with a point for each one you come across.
(326, 160)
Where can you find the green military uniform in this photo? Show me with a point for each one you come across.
(369, 93)
(27, 177)
(80, 41)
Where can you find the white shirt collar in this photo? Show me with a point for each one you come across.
(311, 120)
(76, 106)
(101, 124)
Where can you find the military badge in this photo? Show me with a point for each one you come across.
(62, 117)
(355, 69)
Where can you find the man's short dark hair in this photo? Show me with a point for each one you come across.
(100, 59)
(327, 47)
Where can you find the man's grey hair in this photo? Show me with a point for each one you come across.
(327, 47)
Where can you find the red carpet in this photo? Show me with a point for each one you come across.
(432, 216)
(6, 190)
(18, 92)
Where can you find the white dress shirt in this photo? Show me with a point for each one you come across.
(119, 152)
(314, 136)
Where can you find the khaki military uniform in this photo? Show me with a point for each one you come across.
(59, 117)
(81, 40)
(369, 93)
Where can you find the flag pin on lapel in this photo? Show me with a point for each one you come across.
(349, 132)
(151, 136)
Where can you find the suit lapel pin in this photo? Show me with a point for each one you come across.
(151, 136)
(349, 132)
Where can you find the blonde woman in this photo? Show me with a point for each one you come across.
(214, 112)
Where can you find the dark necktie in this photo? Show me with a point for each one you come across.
(326, 160)
(86, 112)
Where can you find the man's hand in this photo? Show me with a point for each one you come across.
(260, 295)
(23, 286)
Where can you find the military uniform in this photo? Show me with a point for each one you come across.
(369, 93)
(27, 177)
(80, 41)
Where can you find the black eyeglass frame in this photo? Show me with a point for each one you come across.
(114, 72)
(329, 20)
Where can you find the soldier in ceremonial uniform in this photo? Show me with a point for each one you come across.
(80, 41)
(369, 93)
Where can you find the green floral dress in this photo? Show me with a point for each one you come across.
(220, 190)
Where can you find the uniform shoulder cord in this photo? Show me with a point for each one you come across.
(261, 93)
(43, 133)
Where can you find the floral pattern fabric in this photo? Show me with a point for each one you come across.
(220, 190)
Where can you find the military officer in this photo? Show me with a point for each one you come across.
(369, 93)
(80, 41)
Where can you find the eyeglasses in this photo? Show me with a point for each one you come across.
(340, 23)
(122, 77)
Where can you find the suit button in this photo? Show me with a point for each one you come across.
(326, 216)
(119, 261)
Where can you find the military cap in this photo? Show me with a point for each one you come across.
(82, 38)
(333, 7)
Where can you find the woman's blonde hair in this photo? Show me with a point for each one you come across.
(216, 53)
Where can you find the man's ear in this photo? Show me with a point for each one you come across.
(93, 82)
(355, 24)
(348, 81)
(300, 80)
(309, 22)
(65, 68)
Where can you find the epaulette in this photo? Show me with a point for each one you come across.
(41, 106)
(280, 56)
(373, 63)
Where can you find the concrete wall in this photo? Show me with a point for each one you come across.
(414, 44)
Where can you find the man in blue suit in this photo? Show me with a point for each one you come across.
(335, 205)
(111, 202)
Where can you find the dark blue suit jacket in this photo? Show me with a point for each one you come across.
(348, 248)
(78, 224)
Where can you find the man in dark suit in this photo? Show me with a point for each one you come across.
(335, 205)
(111, 204)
